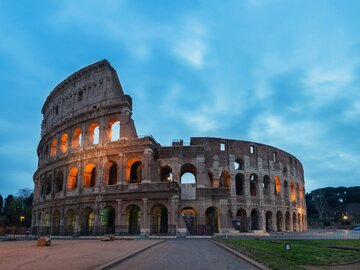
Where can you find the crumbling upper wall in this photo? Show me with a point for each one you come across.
(92, 87)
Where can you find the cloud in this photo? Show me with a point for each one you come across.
(353, 113)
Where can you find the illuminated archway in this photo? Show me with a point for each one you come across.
(93, 133)
(111, 176)
(90, 175)
(113, 130)
(224, 180)
(134, 170)
(64, 143)
(53, 149)
(76, 140)
(72, 178)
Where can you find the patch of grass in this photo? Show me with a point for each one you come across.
(303, 253)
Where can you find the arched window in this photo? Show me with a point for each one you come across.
(59, 181)
(53, 148)
(72, 178)
(111, 175)
(253, 184)
(89, 175)
(188, 174)
(136, 172)
(293, 192)
(64, 143)
(113, 130)
(266, 185)
(277, 185)
(301, 192)
(49, 184)
(239, 184)
(239, 164)
(166, 174)
(224, 180)
(76, 138)
(93, 134)
(286, 189)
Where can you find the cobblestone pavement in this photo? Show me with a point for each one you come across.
(185, 254)
(66, 254)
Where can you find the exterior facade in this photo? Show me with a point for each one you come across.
(97, 176)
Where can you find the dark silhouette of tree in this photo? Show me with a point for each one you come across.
(1, 204)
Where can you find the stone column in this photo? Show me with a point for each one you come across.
(62, 222)
(65, 174)
(118, 218)
(148, 155)
(262, 220)
(96, 218)
(144, 216)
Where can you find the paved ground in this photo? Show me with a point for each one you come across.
(185, 254)
(65, 254)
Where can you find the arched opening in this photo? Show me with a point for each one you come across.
(211, 178)
(136, 172)
(56, 223)
(268, 222)
(239, 164)
(59, 179)
(188, 174)
(239, 184)
(299, 222)
(107, 220)
(279, 221)
(53, 149)
(89, 175)
(266, 185)
(111, 169)
(212, 220)
(72, 178)
(166, 174)
(241, 214)
(301, 191)
(294, 223)
(224, 180)
(190, 219)
(134, 218)
(254, 220)
(253, 184)
(159, 219)
(70, 222)
(277, 189)
(286, 190)
(113, 130)
(76, 138)
(87, 221)
(93, 133)
(293, 192)
(64, 143)
(287, 221)
(48, 184)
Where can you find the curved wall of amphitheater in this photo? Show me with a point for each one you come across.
(96, 176)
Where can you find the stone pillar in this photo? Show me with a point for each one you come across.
(80, 177)
(262, 220)
(65, 175)
(118, 218)
(148, 156)
(121, 170)
(144, 224)
(77, 228)
(62, 222)
(96, 218)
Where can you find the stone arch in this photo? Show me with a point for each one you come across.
(166, 174)
(64, 143)
(286, 189)
(107, 219)
(241, 214)
(159, 219)
(253, 184)
(76, 140)
(190, 218)
(93, 133)
(266, 185)
(53, 149)
(239, 183)
(287, 221)
(111, 169)
(70, 219)
(113, 129)
(294, 221)
(59, 180)
(89, 175)
(87, 221)
(224, 180)
(239, 164)
(55, 223)
(279, 221)
(134, 170)
(188, 174)
(293, 192)
(212, 219)
(254, 219)
(268, 221)
(48, 184)
(277, 189)
(72, 178)
(133, 217)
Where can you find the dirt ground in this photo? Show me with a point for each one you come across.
(66, 254)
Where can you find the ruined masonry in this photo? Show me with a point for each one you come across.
(96, 176)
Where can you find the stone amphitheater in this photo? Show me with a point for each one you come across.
(97, 176)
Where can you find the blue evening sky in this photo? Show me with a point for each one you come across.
(284, 73)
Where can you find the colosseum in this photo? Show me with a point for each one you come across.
(97, 176)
